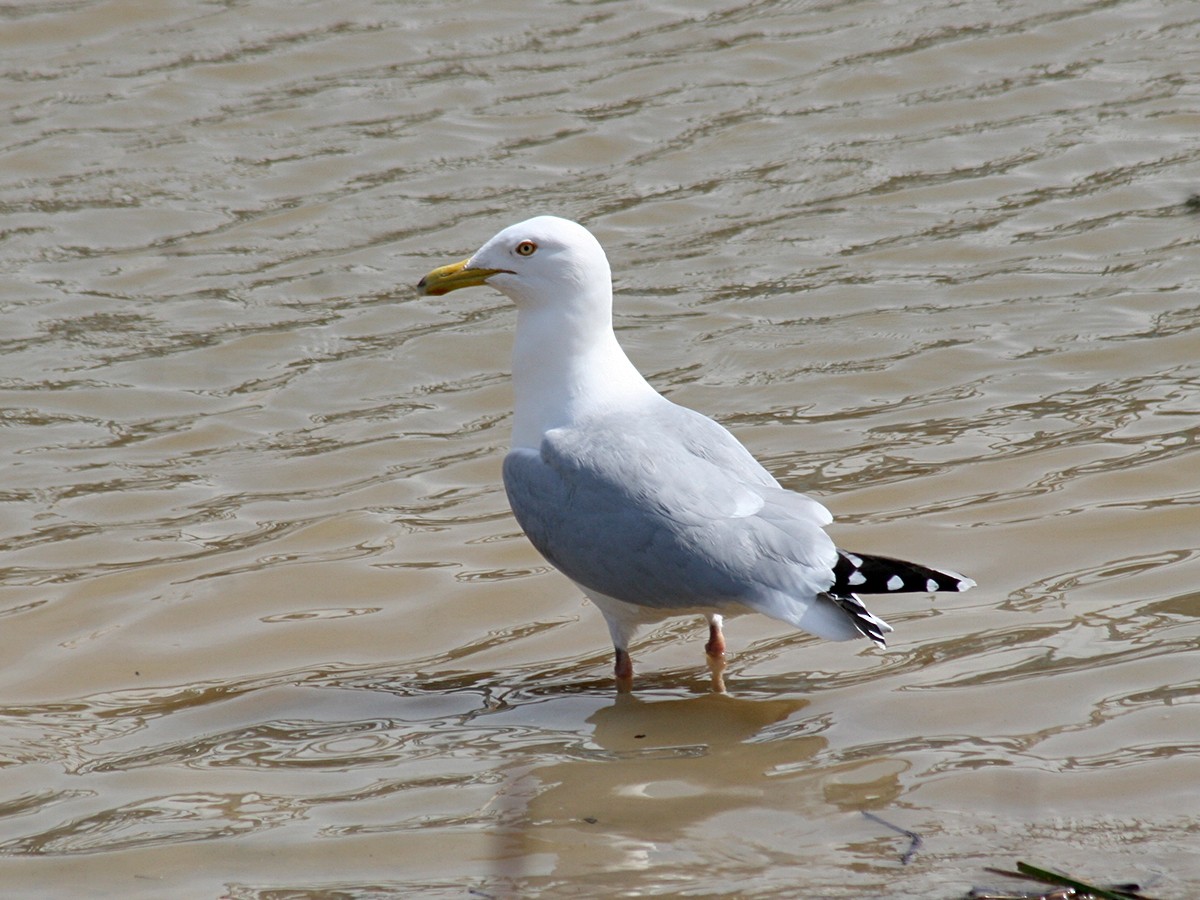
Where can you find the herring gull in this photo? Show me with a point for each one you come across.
(652, 509)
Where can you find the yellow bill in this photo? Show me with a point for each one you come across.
(445, 279)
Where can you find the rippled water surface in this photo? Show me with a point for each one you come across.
(269, 629)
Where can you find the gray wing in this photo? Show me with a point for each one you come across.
(666, 509)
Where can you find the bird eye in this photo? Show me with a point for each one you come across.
(526, 248)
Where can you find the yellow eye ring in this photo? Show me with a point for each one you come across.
(526, 248)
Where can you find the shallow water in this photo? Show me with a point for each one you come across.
(269, 629)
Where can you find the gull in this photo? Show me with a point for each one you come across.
(653, 509)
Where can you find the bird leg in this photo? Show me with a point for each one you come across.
(624, 671)
(715, 650)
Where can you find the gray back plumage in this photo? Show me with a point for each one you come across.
(666, 509)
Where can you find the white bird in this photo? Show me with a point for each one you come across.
(652, 509)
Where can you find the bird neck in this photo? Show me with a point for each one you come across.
(567, 368)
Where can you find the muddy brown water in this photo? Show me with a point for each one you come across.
(268, 628)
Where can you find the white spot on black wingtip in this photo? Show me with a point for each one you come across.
(895, 583)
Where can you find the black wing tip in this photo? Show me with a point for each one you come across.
(868, 624)
(865, 574)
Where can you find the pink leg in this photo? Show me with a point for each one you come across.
(716, 638)
(715, 648)
(624, 671)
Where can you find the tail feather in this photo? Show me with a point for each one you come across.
(862, 574)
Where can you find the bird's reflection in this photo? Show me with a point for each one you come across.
(661, 768)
